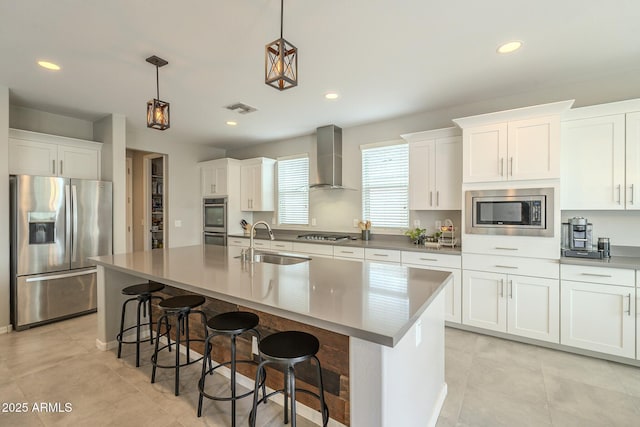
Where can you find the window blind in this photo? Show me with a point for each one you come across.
(293, 190)
(385, 185)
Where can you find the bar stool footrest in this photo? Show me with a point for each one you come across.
(173, 344)
(228, 398)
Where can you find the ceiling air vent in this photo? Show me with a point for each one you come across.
(241, 108)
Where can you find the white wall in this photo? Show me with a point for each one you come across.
(183, 191)
(54, 124)
(4, 209)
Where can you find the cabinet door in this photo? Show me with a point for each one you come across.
(534, 149)
(484, 153)
(421, 175)
(598, 317)
(32, 158)
(448, 173)
(78, 162)
(593, 163)
(214, 181)
(207, 181)
(632, 191)
(484, 301)
(247, 187)
(533, 307)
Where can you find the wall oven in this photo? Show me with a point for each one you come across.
(214, 221)
(518, 212)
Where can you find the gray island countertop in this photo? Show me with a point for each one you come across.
(373, 301)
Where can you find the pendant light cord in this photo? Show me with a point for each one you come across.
(281, 16)
(157, 83)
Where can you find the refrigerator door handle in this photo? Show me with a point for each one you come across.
(61, 276)
(67, 225)
(74, 213)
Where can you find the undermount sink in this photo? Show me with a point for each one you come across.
(280, 259)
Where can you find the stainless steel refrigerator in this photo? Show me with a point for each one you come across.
(56, 223)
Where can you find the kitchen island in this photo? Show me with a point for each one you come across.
(391, 314)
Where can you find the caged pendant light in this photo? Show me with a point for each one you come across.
(281, 61)
(157, 110)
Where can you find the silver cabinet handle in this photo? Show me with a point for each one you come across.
(618, 187)
(501, 166)
(629, 310)
(428, 259)
(279, 246)
(596, 275)
(631, 199)
(511, 289)
(346, 252)
(437, 198)
(511, 161)
(53, 164)
(501, 288)
(507, 266)
(505, 249)
(61, 167)
(380, 255)
(430, 198)
(212, 188)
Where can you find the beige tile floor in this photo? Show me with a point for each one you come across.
(495, 382)
(492, 382)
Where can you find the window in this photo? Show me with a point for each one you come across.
(293, 190)
(385, 185)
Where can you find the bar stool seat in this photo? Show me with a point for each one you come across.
(229, 324)
(289, 348)
(181, 307)
(143, 294)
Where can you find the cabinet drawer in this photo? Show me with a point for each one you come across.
(345, 252)
(262, 244)
(237, 241)
(313, 248)
(382, 255)
(431, 259)
(512, 265)
(282, 246)
(605, 275)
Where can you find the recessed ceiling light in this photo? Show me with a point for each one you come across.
(232, 123)
(509, 47)
(331, 95)
(49, 65)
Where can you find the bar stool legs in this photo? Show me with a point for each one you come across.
(231, 324)
(288, 349)
(180, 307)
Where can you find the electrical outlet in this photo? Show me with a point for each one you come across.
(178, 223)
(254, 345)
(416, 223)
(355, 222)
(438, 225)
(314, 222)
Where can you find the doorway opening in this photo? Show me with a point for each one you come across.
(149, 213)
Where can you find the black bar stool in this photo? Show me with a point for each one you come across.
(229, 324)
(180, 307)
(143, 294)
(289, 348)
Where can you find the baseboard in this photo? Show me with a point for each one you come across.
(438, 406)
(6, 329)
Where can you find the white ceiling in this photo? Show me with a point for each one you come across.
(386, 58)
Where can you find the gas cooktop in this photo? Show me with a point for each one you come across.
(323, 236)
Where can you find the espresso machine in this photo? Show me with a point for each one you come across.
(577, 240)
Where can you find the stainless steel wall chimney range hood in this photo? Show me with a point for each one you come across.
(329, 158)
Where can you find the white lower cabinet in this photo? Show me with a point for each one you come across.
(441, 262)
(522, 305)
(597, 315)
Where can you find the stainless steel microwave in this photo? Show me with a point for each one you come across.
(518, 212)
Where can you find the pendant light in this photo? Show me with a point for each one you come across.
(281, 61)
(157, 110)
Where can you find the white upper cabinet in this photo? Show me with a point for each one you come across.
(435, 169)
(216, 174)
(257, 178)
(601, 157)
(520, 144)
(32, 153)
